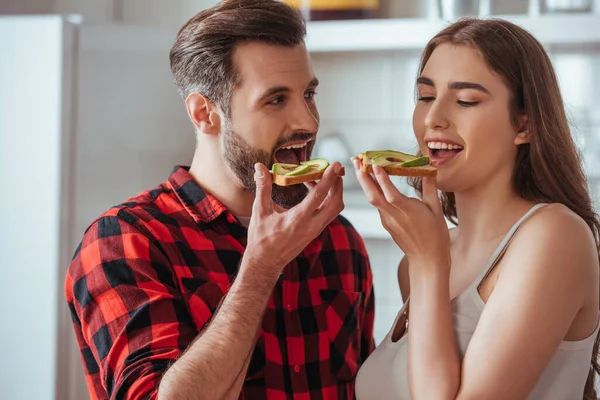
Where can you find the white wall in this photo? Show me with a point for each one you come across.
(34, 165)
(92, 11)
(26, 6)
(159, 13)
(132, 125)
(156, 13)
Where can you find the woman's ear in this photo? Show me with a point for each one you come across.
(205, 115)
(522, 136)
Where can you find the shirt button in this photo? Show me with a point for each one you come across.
(296, 368)
(288, 307)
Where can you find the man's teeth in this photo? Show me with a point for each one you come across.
(443, 146)
(295, 146)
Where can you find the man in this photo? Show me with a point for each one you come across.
(216, 284)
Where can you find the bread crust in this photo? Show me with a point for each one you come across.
(282, 180)
(423, 171)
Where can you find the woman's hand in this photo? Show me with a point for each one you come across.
(417, 226)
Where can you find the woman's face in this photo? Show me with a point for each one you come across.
(462, 120)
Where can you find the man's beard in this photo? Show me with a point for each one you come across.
(241, 158)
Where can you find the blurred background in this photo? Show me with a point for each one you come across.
(89, 117)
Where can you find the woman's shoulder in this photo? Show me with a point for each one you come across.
(554, 233)
(556, 221)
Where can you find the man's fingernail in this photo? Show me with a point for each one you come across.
(258, 171)
(337, 168)
(355, 163)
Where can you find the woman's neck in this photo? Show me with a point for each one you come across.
(485, 214)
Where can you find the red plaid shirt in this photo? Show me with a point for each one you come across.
(150, 273)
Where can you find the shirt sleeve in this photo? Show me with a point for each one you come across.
(130, 319)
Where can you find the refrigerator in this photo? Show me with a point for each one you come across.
(89, 116)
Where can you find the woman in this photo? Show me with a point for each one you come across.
(506, 305)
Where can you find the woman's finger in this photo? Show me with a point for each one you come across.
(370, 187)
(430, 196)
(391, 193)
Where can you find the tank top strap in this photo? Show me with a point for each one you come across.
(503, 246)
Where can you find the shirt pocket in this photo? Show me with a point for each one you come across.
(343, 310)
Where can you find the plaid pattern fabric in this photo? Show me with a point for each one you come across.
(149, 274)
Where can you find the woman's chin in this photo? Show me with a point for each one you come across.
(445, 182)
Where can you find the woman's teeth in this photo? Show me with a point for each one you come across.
(443, 146)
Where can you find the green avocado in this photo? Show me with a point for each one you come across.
(417, 162)
(283, 169)
(388, 157)
(318, 164)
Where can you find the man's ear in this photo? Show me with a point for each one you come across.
(523, 132)
(205, 115)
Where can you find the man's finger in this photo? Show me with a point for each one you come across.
(263, 205)
(333, 203)
(430, 196)
(320, 191)
(310, 184)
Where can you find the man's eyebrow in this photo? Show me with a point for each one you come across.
(273, 91)
(283, 89)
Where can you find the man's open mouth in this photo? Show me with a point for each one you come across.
(293, 152)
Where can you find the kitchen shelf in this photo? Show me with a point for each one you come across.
(413, 34)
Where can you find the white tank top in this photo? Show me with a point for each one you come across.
(384, 375)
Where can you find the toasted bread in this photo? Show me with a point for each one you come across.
(282, 180)
(422, 171)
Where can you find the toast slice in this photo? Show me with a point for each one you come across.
(420, 171)
(282, 180)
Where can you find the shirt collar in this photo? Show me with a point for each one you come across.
(202, 206)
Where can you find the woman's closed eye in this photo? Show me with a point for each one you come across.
(467, 103)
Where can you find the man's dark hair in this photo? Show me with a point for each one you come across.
(202, 56)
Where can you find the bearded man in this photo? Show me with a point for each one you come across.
(217, 284)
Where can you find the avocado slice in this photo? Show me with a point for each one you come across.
(417, 162)
(282, 169)
(390, 155)
(318, 164)
(384, 161)
(300, 169)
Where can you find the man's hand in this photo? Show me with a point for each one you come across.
(276, 237)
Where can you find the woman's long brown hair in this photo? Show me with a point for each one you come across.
(549, 168)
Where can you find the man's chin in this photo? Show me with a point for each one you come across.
(288, 197)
